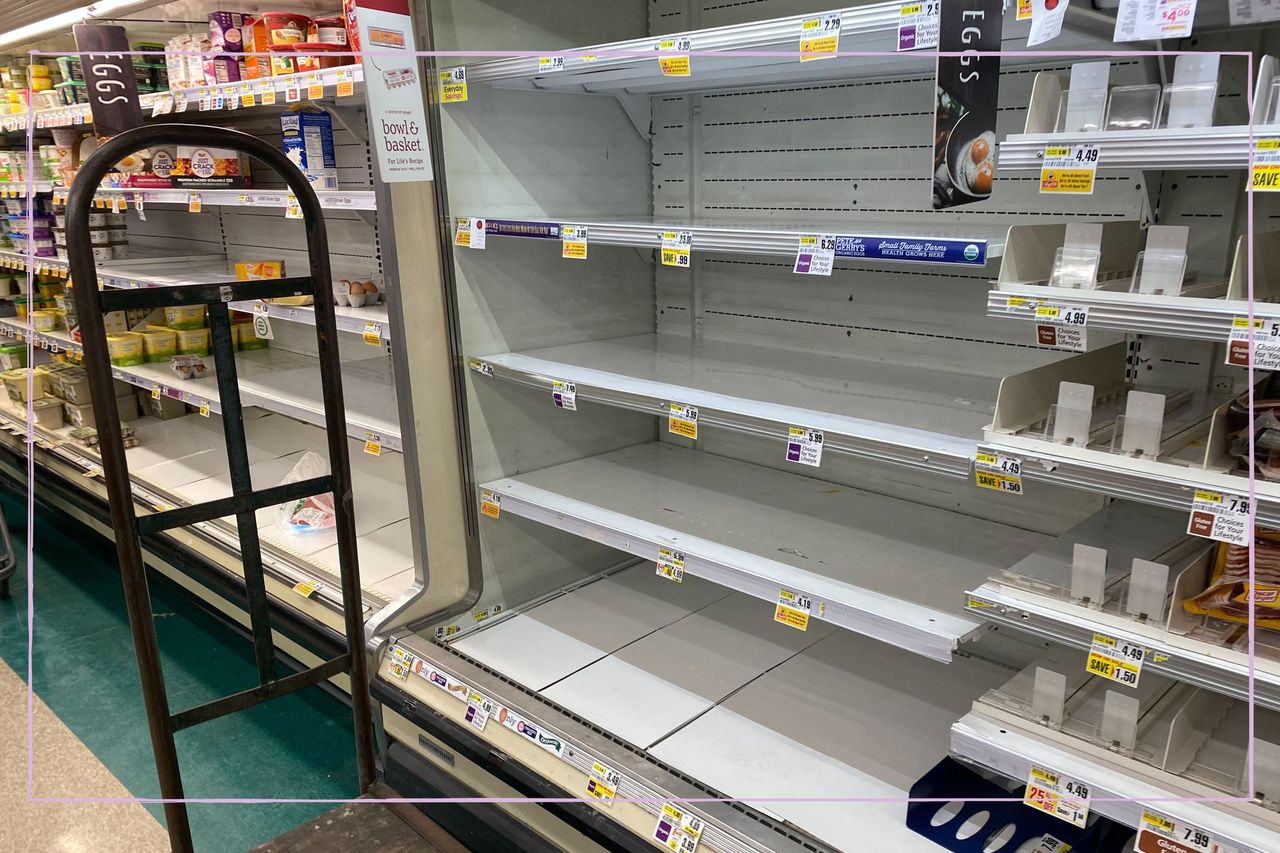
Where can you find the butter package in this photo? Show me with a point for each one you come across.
(201, 167)
(258, 270)
(308, 143)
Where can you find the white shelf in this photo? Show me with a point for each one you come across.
(80, 114)
(1169, 148)
(272, 379)
(745, 706)
(183, 460)
(110, 273)
(886, 568)
(927, 418)
(1120, 789)
(1034, 596)
(1189, 317)
(631, 67)
(880, 240)
(354, 320)
(248, 197)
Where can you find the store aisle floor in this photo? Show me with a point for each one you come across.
(298, 746)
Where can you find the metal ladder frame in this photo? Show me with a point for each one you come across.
(91, 304)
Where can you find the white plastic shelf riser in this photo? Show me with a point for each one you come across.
(886, 568)
(928, 418)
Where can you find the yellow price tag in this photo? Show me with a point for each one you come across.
(490, 504)
(306, 589)
(194, 203)
(793, 609)
(346, 85)
(453, 85)
(373, 334)
(155, 392)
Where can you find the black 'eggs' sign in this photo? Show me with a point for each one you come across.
(108, 78)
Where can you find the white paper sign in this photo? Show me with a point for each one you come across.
(394, 91)
(1046, 20)
(1149, 20)
(1253, 11)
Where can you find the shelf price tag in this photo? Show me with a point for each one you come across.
(1266, 166)
(816, 255)
(490, 503)
(919, 24)
(269, 94)
(997, 472)
(1024, 10)
(564, 395)
(682, 420)
(671, 565)
(306, 589)
(247, 98)
(804, 445)
(401, 663)
(1062, 326)
(315, 87)
(675, 62)
(550, 64)
(346, 84)
(1149, 20)
(470, 233)
(573, 242)
(677, 830)
(1264, 343)
(372, 334)
(1220, 516)
(453, 85)
(373, 444)
(1117, 660)
(204, 409)
(793, 609)
(1058, 795)
(262, 321)
(675, 248)
(603, 783)
(484, 368)
(479, 707)
(1069, 169)
(1159, 834)
(820, 37)
(194, 203)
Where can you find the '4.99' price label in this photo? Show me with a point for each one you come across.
(1262, 346)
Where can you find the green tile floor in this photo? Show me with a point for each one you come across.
(298, 746)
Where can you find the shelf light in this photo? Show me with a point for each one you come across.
(64, 21)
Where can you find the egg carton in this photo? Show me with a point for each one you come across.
(355, 300)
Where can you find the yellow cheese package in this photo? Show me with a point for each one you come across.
(258, 270)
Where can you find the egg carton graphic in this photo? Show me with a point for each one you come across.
(399, 77)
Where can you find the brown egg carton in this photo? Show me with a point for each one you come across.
(355, 294)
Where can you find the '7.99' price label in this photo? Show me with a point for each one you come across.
(1159, 834)
(1220, 516)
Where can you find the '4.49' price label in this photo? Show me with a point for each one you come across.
(997, 472)
(1118, 660)
(1058, 795)
(1220, 516)
(1069, 169)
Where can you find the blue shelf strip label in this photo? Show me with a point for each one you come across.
(924, 250)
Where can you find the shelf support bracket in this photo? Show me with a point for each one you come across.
(639, 108)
